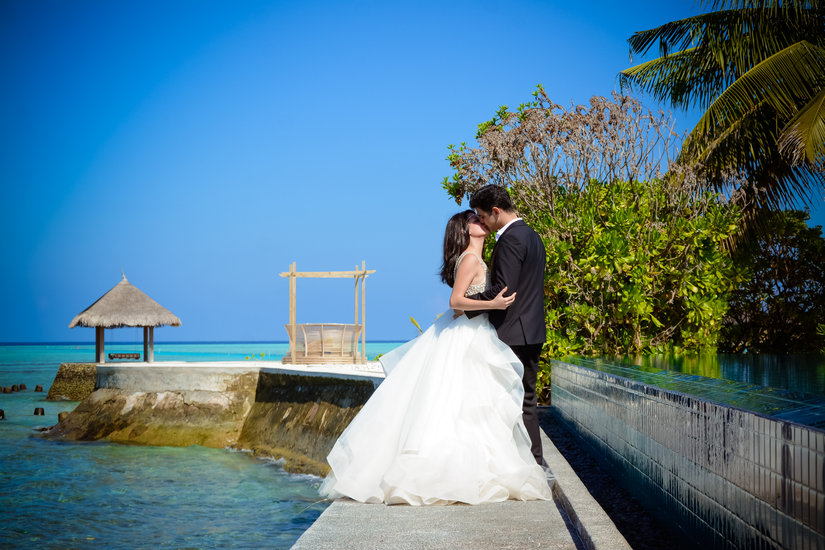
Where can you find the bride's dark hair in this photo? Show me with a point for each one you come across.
(456, 241)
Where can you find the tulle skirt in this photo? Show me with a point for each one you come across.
(444, 426)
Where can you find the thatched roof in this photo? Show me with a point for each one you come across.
(125, 306)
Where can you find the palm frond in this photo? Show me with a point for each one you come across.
(802, 10)
(689, 78)
(787, 80)
(749, 145)
(757, 67)
(738, 38)
(804, 137)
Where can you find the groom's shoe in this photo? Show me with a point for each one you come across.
(551, 478)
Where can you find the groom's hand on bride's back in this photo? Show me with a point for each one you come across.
(488, 294)
(503, 302)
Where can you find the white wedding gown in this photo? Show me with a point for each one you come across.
(444, 426)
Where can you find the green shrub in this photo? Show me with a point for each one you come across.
(634, 268)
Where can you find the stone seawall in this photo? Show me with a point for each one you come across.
(298, 418)
(294, 414)
(73, 382)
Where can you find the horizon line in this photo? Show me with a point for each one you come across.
(92, 343)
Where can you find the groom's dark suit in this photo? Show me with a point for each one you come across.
(518, 262)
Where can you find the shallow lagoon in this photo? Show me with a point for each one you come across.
(68, 495)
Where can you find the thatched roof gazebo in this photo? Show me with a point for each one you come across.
(125, 306)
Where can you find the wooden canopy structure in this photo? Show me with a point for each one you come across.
(327, 342)
(125, 306)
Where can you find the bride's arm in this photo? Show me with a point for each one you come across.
(467, 271)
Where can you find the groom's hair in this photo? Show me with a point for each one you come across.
(489, 196)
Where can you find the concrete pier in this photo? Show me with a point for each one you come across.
(293, 413)
(572, 520)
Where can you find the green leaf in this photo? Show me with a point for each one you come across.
(413, 321)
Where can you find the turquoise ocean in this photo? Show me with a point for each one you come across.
(104, 495)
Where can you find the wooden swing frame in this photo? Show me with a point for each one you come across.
(342, 344)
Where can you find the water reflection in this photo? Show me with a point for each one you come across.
(784, 387)
(795, 373)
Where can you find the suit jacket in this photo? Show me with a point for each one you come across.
(518, 262)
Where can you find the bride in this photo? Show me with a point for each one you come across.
(445, 425)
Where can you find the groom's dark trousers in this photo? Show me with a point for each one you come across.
(529, 357)
(518, 262)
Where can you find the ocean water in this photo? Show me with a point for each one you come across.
(84, 495)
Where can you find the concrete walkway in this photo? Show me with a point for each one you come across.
(572, 520)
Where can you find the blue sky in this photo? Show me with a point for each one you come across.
(202, 146)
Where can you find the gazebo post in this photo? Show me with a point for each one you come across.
(292, 298)
(145, 344)
(149, 353)
(357, 282)
(364, 312)
(356, 296)
(100, 355)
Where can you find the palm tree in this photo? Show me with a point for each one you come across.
(757, 68)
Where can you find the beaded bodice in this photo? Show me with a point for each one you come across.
(476, 288)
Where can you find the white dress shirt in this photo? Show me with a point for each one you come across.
(501, 231)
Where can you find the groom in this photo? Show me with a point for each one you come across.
(517, 262)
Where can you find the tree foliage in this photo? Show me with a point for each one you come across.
(542, 145)
(757, 68)
(779, 306)
(634, 268)
(634, 256)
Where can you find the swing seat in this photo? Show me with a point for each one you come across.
(124, 356)
(323, 343)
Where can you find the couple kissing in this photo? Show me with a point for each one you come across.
(455, 419)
